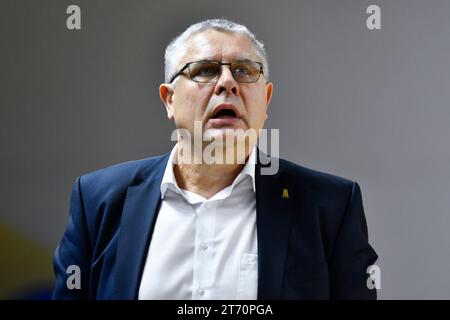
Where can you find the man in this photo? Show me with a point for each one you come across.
(178, 227)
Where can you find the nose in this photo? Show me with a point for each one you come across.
(226, 83)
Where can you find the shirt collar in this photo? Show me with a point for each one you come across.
(169, 176)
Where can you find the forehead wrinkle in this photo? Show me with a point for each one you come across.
(207, 52)
(201, 47)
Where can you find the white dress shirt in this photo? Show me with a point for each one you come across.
(204, 248)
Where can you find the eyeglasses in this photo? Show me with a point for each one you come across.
(207, 71)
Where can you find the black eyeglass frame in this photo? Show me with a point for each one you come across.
(186, 66)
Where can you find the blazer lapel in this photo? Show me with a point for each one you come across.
(273, 215)
(138, 218)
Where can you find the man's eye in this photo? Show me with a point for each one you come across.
(206, 71)
(241, 70)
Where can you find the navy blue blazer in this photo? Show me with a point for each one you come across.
(312, 241)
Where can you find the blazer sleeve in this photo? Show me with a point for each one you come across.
(73, 250)
(352, 254)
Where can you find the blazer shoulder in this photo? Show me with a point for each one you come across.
(118, 177)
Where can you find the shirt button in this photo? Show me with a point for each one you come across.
(208, 205)
(204, 247)
(201, 292)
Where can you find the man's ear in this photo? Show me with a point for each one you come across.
(269, 92)
(166, 95)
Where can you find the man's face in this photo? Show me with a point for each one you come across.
(192, 101)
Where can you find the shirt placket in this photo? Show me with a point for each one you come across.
(203, 275)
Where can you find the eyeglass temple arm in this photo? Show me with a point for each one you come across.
(179, 72)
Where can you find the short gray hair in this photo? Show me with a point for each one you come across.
(177, 47)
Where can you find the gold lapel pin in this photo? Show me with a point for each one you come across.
(285, 194)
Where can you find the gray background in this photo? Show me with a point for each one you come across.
(372, 106)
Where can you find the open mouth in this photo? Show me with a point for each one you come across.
(225, 114)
